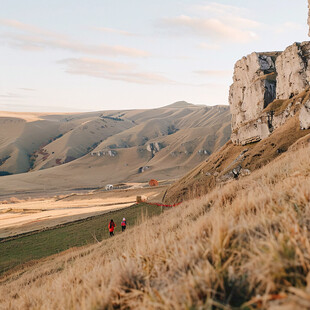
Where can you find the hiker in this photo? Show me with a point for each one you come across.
(123, 224)
(111, 228)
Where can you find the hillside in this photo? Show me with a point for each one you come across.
(243, 245)
(235, 161)
(23, 137)
(77, 142)
(108, 147)
(227, 226)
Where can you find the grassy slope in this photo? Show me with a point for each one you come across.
(196, 183)
(24, 248)
(245, 244)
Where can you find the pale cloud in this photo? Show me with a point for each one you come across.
(215, 73)
(215, 21)
(231, 14)
(25, 45)
(12, 23)
(112, 70)
(219, 8)
(113, 31)
(288, 26)
(16, 94)
(209, 46)
(212, 28)
(37, 39)
(33, 42)
(10, 95)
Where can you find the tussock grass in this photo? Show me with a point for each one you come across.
(197, 183)
(245, 245)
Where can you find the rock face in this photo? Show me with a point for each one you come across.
(304, 116)
(153, 148)
(253, 88)
(293, 70)
(110, 153)
(268, 89)
(254, 81)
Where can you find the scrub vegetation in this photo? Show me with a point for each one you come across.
(243, 245)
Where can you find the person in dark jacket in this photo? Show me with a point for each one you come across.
(111, 228)
(123, 224)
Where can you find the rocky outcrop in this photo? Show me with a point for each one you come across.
(143, 169)
(153, 148)
(293, 70)
(304, 116)
(253, 88)
(110, 153)
(203, 152)
(268, 89)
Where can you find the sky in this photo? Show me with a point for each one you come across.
(90, 55)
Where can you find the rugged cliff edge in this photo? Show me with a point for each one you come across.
(270, 106)
(267, 90)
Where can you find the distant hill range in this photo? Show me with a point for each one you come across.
(65, 151)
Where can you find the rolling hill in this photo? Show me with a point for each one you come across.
(86, 150)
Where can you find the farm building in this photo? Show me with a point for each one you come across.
(153, 182)
(108, 187)
(141, 199)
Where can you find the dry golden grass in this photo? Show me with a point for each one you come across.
(246, 244)
(278, 105)
(207, 175)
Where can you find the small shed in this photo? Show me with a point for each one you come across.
(153, 182)
(108, 187)
(141, 199)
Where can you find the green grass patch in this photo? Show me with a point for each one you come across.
(24, 248)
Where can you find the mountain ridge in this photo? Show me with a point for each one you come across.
(111, 146)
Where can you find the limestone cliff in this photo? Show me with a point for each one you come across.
(268, 89)
(293, 70)
(253, 88)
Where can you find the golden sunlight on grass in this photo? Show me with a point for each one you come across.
(245, 244)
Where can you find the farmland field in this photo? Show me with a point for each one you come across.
(36, 245)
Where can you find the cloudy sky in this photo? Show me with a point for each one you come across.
(79, 55)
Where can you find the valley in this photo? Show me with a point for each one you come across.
(58, 153)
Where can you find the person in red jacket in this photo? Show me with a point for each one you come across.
(123, 224)
(111, 228)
